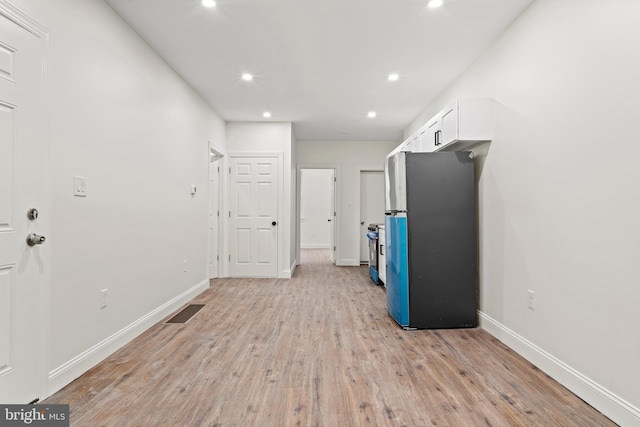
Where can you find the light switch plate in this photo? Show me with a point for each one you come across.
(80, 186)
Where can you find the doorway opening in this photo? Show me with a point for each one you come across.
(371, 207)
(317, 212)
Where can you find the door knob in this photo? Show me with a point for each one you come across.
(34, 239)
(273, 223)
(361, 222)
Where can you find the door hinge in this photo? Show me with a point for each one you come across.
(229, 171)
(229, 257)
(334, 214)
(217, 257)
(335, 179)
(218, 213)
(218, 168)
(334, 248)
(229, 214)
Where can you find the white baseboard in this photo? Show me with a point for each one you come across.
(314, 246)
(288, 274)
(617, 409)
(347, 263)
(69, 371)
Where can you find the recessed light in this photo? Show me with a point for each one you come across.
(434, 4)
(208, 3)
(393, 77)
(371, 114)
(247, 77)
(266, 114)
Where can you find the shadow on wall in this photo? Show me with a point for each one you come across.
(494, 226)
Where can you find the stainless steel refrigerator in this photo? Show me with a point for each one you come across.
(431, 238)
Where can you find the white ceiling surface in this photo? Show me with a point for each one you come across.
(322, 65)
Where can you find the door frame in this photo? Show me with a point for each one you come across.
(358, 213)
(44, 287)
(224, 179)
(336, 195)
(215, 160)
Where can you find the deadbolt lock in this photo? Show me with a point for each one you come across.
(32, 214)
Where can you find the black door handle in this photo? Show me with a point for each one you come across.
(273, 223)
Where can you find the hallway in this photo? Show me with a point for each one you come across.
(316, 350)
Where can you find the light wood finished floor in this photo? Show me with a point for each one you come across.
(316, 350)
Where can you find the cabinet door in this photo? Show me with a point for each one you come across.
(422, 143)
(433, 134)
(409, 145)
(449, 118)
(415, 143)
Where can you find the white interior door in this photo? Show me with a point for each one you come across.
(332, 217)
(214, 215)
(21, 178)
(371, 207)
(253, 216)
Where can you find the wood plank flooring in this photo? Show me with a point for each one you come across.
(316, 350)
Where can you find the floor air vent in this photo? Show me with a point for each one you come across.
(187, 313)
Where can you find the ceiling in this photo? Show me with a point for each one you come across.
(322, 65)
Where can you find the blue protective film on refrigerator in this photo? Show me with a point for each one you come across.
(397, 269)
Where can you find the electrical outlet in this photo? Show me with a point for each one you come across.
(103, 298)
(531, 300)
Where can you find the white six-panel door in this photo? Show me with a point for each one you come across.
(21, 179)
(253, 216)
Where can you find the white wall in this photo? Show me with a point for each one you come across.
(267, 137)
(559, 199)
(123, 119)
(349, 158)
(315, 207)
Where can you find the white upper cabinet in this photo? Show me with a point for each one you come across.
(415, 142)
(461, 124)
(409, 143)
(422, 139)
(434, 133)
(466, 122)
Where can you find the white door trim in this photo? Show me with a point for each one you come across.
(358, 213)
(14, 14)
(337, 204)
(215, 161)
(281, 209)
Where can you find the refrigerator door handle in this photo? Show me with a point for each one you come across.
(381, 251)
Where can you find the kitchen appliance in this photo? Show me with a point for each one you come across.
(431, 240)
(382, 255)
(372, 235)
